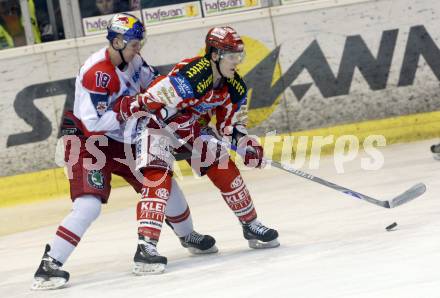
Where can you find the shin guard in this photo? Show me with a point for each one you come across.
(150, 209)
(234, 191)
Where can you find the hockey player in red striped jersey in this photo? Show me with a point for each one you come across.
(186, 99)
(96, 142)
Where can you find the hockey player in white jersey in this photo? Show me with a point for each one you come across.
(95, 144)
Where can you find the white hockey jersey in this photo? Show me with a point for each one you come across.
(98, 85)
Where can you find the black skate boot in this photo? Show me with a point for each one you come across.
(260, 236)
(435, 150)
(199, 244)
(49, 276)
(147, 260)
(196, 243)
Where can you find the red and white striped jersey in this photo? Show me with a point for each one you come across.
(190, 86)
(98, 85)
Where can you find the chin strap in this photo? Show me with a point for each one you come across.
(124, 63)
(217, 64)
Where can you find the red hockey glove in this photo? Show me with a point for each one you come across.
(254, 152)
(145, 101)
(125, 107)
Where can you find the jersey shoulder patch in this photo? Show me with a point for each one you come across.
(237, 89)
(101, 78)
(182, 86)
(198, 74)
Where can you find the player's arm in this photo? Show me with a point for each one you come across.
(231, 122)
(97, 88)
(165, 96)
(157, 97)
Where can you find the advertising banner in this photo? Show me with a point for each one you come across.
(295, 1)
(217, 7)
(172, 13)
(98, 25)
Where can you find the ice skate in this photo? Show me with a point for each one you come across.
(196, 243)
(260, 236)
(147, 260)
(199, 244)
(49, 276)
(435, 150)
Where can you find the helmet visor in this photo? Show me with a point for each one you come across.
(233, 57)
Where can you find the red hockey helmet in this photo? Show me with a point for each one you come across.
(224, 39)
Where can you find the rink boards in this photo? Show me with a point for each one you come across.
(309, 73)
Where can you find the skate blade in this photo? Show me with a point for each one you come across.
(51, 284)
(436, 156)
(146, 269)
(256, 244)
(196, 251)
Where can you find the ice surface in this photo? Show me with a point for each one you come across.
(331, 244)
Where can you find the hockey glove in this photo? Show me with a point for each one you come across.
(146, 102)
(254, 152)
(126, 106)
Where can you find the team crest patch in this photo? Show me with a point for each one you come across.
(95, 178)
(238, 181)
(101, 107)
(162, 193)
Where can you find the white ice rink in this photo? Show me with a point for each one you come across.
(331, 244)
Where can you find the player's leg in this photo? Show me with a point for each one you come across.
(150, 213)
(89, 189)
(178, 217)
(236, 195)
(155, 161)
(49, 274)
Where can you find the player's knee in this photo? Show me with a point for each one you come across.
(87, 207)
(157, 178)
(222, 178)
